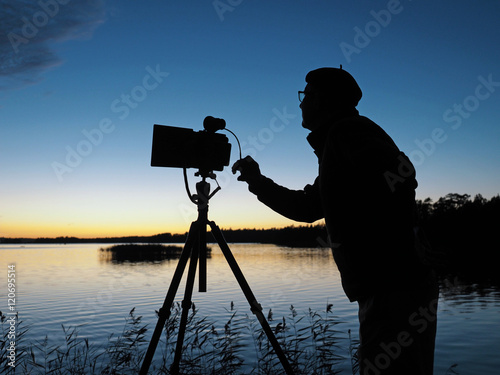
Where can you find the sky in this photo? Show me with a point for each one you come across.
(82, 83)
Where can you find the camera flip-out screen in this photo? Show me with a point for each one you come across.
(184, 148)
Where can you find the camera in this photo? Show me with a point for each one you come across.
(185, 148)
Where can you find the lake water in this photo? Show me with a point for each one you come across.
(75, 285)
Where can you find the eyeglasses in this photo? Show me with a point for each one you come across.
(302, 94)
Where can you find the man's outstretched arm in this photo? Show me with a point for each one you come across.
(299, 205)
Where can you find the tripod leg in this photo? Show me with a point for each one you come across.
(202, 245)
(164, 312)
(255, 307)
(186, 305)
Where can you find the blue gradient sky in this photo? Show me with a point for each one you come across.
(83, 82)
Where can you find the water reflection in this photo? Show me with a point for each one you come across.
(79, 285)
(465, 295)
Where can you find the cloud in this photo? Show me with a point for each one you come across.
(28, 28)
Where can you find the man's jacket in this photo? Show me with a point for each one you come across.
(365, 191)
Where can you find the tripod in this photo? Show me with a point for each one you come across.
(195, 249)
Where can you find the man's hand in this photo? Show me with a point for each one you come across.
(249, 170)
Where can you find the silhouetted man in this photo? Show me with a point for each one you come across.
(365, 191)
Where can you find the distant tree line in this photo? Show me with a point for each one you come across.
(464, 233)
(293, 236)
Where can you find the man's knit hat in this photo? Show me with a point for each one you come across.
(335, 82)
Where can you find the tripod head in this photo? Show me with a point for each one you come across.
(201, 199)
(203, 194)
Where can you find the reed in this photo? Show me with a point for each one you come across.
(312, 342)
